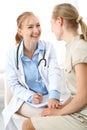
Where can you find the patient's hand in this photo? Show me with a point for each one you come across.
(54, 103)
(50, 112)
(37, 98)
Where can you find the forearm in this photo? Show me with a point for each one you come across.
(19, 90)
(67, 101)
(73, 106)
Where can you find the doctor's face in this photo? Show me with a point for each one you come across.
(30, 29)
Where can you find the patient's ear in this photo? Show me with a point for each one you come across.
(60, 20)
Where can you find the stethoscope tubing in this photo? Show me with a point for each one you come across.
(43, 58)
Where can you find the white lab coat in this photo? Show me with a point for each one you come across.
(50, 75)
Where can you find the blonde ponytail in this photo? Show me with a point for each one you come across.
(83, 29)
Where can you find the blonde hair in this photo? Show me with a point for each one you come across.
(20, 20)
(71, 15)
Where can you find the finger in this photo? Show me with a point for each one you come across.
(39, 94)
(45, 112)
(36, 101)
(54, 106)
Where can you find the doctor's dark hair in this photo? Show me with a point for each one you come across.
(20, 20)
(71, 16)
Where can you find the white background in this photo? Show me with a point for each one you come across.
(9, 11)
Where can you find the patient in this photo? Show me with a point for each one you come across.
(73, 114)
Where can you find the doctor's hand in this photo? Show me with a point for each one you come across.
(37, 98)
(54, 103)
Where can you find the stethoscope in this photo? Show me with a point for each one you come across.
(43, 58)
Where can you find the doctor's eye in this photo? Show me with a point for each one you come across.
(30, 27)
(38, 25)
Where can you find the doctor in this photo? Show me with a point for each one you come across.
(32, 70)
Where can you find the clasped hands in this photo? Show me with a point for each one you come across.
(53, 105)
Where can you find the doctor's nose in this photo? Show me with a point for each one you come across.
(36, 30)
